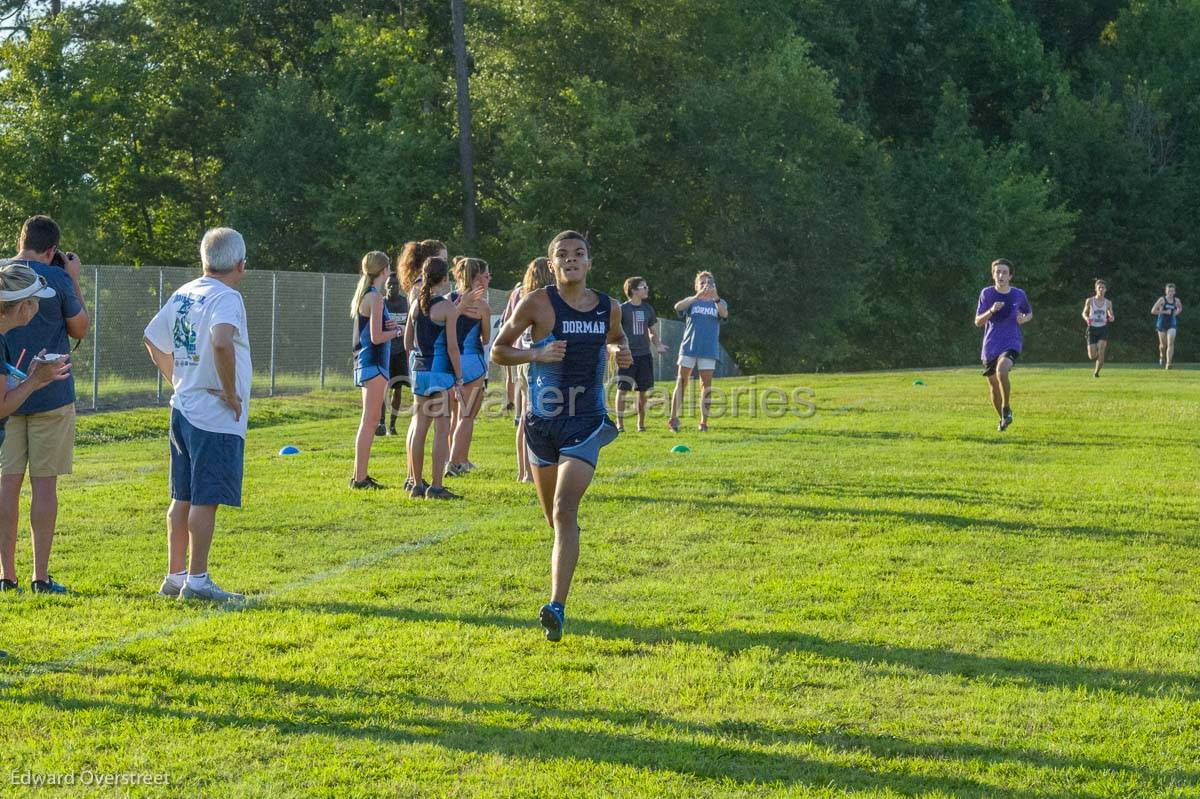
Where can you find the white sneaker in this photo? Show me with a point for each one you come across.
(209, 592)
(171, 587)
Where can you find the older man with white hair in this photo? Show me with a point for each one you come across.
(199, 342)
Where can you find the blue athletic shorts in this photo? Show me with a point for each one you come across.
(426, 384)
(580, 437)
(206, 468)
(473, 367)
(366, 367)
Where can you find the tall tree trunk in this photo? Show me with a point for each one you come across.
(465, 155)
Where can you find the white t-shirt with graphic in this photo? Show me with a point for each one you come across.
(183, 327)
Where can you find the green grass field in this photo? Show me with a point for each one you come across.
(886, 599)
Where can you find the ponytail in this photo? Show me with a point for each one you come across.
(433, 272)
(373, 263)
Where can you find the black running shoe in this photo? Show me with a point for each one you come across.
(368, 483)
(418, 491)
(1007, 416)
(47, 586)
(10, 585)
(381, 429)
(440, 493)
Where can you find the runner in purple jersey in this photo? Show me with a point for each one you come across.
(1001, 311)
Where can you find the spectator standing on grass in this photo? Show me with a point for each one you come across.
(397, 307)
(640, 324)
(703, 313)
(374, 332)
(538, 275)
(199, 342)
(21, 290)
(40, 434)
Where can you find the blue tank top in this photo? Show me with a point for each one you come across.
(575, 385)
(378, 354)
(1167, 319)
(429, 340)
(470, 340)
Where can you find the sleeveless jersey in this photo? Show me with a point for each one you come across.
(429, 340)
(470, 341)
(364, 348)
(1166, 319)
(1099, 315)
(575, 385)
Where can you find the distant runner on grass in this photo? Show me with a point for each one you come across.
(1001, 311)
(1166, 312)
(1098, 312)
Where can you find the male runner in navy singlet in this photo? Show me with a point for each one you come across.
(573, 329)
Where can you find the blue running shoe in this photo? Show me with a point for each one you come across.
(552, 619)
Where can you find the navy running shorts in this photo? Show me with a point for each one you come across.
(548, 440)
(637, 376)
(206, 468)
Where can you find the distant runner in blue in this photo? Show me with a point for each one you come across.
(1166, 312)
(703, 313)
(573, 328)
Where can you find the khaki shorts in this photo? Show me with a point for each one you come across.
(45, 442)
(521, 375)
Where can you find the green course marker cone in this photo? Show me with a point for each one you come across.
(680, 448)
(918, 382)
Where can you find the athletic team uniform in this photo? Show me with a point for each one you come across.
(470, 344)
(1098, 322)
(1001, 332)
(371, 360)
(398, 310)
(1167, 320)
(701, 345)
(567, 416)
(432, 372)
(636, 321)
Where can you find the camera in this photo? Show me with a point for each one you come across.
(59, 259)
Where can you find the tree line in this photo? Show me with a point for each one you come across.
(847, 170)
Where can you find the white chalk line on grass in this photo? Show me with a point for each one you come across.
(166, 630)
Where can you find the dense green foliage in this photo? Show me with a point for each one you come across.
(847, 169)
(887, 599)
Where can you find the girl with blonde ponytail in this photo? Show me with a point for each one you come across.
(374, 332)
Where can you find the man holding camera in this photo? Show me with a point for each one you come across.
(40, 436)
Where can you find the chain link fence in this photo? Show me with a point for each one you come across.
(300, 333)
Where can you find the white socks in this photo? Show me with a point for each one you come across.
(197, 580)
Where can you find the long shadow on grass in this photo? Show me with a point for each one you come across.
(1151, 684)
(783, 504)
(739, 730)
(434, 722)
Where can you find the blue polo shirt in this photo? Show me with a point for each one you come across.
(48, 331)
